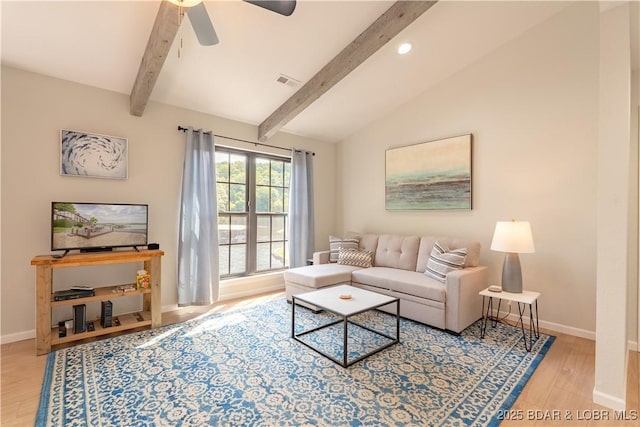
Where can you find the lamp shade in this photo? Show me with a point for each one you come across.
(513, 237)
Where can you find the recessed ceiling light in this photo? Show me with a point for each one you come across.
(405, 48)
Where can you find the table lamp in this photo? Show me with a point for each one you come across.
(512, 237)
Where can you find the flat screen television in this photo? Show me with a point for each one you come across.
(92, 227)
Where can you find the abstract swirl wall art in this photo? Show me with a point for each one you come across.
(92, 155)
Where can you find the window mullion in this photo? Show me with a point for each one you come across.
(251, 213)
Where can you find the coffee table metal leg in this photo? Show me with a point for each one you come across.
(345, 321)
(398, 321)
(345, 350)
(293, 316)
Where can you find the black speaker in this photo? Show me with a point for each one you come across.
(153, 246)
(105, 314)
(79, 318)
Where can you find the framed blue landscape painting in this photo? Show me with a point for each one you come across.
(430, 175)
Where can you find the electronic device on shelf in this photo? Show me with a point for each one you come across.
(81, 288)
(94, 227)
(106, 311)
(79, 318)
(62, 329)
(68, 294)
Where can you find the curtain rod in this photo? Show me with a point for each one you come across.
(183, 129)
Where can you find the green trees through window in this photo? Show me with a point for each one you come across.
(253, 197)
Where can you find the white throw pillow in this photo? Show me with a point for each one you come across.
(442, 261)
(336, 243)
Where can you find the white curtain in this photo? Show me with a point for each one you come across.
(301, 227)
(198, 275)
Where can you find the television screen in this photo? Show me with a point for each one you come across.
(97, 226)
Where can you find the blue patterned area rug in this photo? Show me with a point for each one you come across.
(243, 368)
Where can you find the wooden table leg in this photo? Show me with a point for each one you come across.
(154, 301)
(43, 309)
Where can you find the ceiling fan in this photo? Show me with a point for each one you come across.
(201, 22)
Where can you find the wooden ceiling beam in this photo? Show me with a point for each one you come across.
(161, 38)
(385, 28)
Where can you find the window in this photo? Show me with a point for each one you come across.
(253, 201)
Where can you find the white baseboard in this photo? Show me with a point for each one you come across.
(250, 286)
(556, 327)
(231, 295)
(608, 401)
(229, 290)
(274, 283)
(18, 336)
(170, 307)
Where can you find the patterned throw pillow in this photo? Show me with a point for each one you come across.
(443, 260)
(355, 257)
(335, 243)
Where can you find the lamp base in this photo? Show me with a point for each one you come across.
(511, 274)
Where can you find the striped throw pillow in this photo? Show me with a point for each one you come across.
(443, 260)
(335, 243)
(355, 258)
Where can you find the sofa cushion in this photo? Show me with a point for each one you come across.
(335, 243)
(356, 258)
(426, 246)
(369, 242)
(319, 276)
(443, 261)
(407, 282)
(397, 252)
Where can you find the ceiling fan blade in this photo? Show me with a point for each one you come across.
(283, 7)
(202, 25)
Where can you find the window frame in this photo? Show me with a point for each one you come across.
(251, 214)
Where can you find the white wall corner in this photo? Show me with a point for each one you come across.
(612, 208)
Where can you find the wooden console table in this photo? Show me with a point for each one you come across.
(46, 336)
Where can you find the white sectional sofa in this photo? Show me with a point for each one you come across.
(398, 270)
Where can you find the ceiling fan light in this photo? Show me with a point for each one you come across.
(186, 3)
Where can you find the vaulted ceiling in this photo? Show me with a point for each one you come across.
(101, 43)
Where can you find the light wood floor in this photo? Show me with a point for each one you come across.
(560, 388)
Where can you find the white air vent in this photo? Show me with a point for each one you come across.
(289, 81)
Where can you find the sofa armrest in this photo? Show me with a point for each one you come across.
(321, 257)
(464, 305)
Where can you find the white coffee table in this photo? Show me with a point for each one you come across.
(361, 301)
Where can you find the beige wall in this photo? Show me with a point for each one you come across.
(532, 107)
(34, 109)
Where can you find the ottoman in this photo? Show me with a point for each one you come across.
(313, 277)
